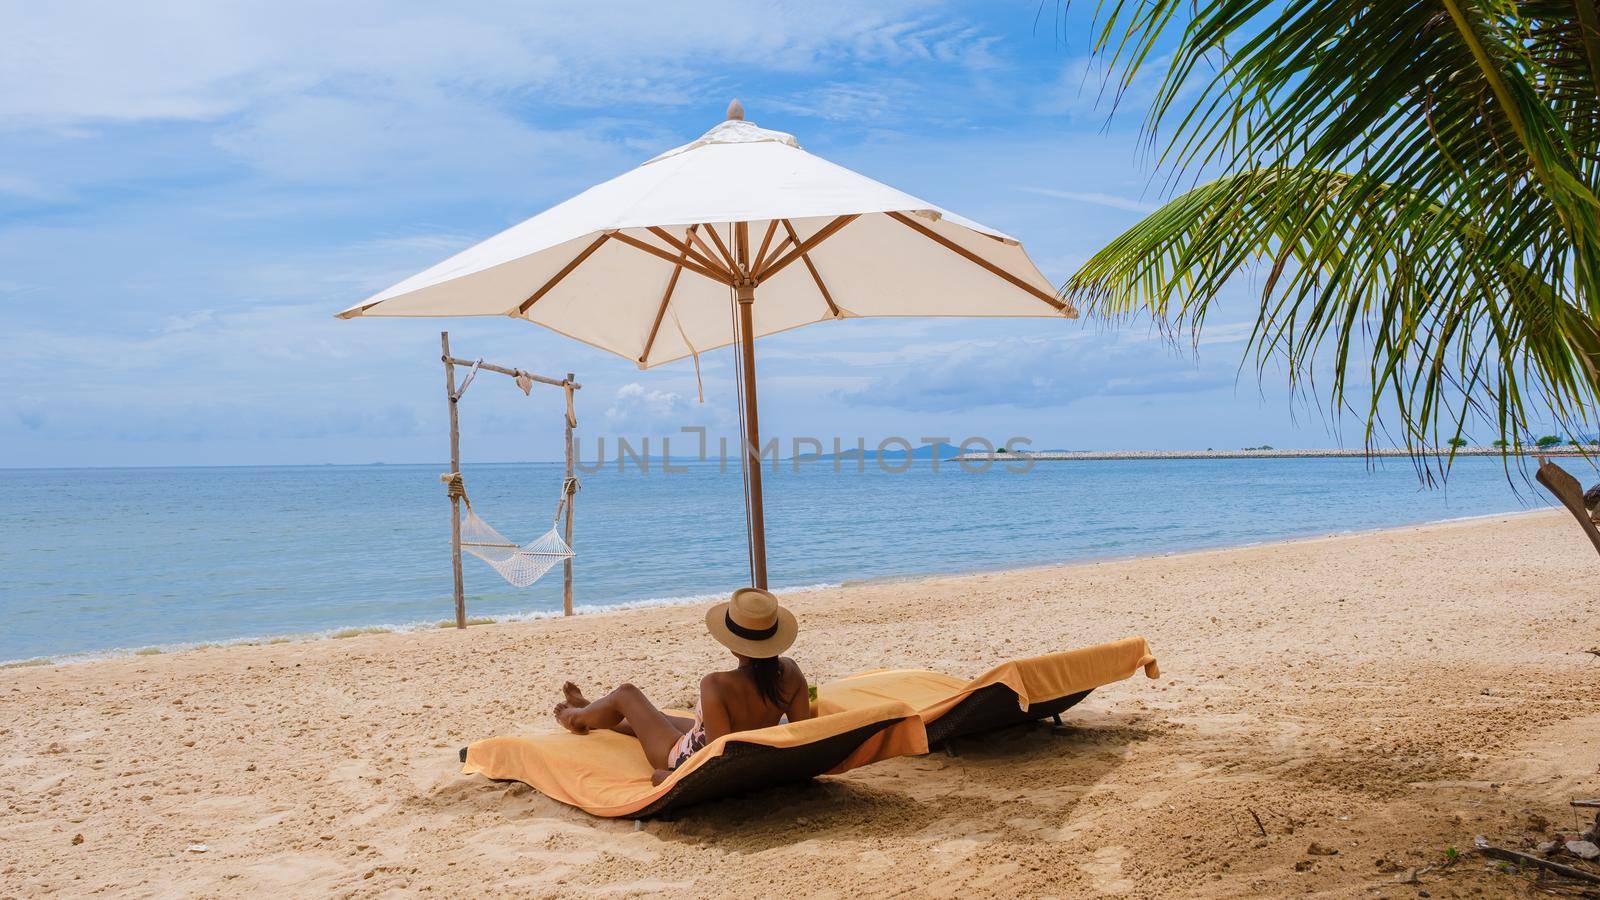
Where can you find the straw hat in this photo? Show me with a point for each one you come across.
(752, 624)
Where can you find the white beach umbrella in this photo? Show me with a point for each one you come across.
(739, 233)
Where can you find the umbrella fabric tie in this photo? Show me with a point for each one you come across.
(455, 488)
(568, 487)
(699, 387)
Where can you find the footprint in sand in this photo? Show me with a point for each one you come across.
(1106, 870)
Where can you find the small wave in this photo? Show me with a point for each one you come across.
(387, 628)
(649, 603)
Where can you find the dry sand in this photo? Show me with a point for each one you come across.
(1385, 695)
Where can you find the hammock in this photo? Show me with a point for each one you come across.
(520, 564)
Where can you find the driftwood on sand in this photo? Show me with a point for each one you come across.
(1528, 859)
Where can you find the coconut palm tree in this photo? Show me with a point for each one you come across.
(1413, 181)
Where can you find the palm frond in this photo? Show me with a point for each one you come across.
(1417, 179)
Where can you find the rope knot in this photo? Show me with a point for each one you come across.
(455, 488)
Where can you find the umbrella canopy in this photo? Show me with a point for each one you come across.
(642, 264)
(733, 236)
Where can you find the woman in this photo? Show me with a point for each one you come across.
(760, 692)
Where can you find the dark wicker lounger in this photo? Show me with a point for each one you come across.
(743, 767)
(992, 707)
(1014, 692)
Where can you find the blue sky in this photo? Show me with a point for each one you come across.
(188, 192)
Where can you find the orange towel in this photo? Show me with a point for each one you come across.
(1034, 680)
(606, 773)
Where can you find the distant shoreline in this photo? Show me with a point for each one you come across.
(620, 607)
(1085, 455)
(1565, 450)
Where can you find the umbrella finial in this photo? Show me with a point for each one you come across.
(735, 109)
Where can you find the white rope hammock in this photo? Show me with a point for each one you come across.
(519, 564)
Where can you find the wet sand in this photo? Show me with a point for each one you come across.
(1385, 696)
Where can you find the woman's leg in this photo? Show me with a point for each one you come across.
(656, 731)
(575, 698)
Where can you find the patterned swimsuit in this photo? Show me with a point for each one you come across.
(693, 741)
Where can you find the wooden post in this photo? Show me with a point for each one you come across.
(745, 291)
(566, 564)
(455, 466)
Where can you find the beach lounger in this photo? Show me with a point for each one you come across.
(1022, 690)
(606, 774)
(861, 719)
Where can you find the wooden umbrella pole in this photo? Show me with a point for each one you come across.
(745, 292)
(455, 466)
(566, 564)
(752, 436)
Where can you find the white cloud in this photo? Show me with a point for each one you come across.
(858, 104)
(17, 289)
(345, 139)
(397, 96)
(189, 321)
(119, 62)
(254, 372)
(640, 410)
(1096, 198)
(1032, 373)
(1087, 90)
(64, 63)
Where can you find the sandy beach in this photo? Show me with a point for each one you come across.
(1386, 696)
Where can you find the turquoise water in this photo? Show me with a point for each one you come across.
(95, 560)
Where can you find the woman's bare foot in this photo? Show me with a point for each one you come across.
(566, 714)
(574, 696)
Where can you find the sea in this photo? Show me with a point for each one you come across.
(99, 562)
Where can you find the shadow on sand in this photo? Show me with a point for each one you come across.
(1037, 771)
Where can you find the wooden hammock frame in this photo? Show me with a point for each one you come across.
(568, 386)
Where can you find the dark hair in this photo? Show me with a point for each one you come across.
(767, 673)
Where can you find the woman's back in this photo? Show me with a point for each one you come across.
(764, 689)
(735, 700)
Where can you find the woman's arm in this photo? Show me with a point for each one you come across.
(713, 711)
(798, 692)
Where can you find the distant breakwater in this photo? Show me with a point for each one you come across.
(1267, 453)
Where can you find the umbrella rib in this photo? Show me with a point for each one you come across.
(566, 270)
(685, 248)
(812, 268)
(806, 245)
(666, 298)
(761, 255)
(1063, 308)
(777, 251)
(653, 250)
(722, 248)
(705, 248)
